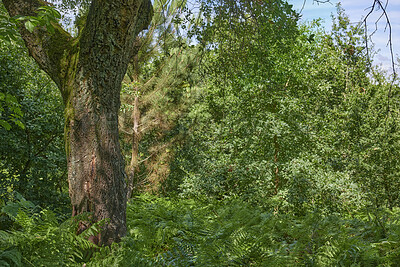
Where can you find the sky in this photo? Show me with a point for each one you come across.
(357, 10)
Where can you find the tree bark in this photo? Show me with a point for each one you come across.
(89, 70)
(276, 158)
(134, 165)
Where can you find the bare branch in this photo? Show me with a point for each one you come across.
(379, 5)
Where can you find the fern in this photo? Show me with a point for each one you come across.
(40, 240)
(177, 232)
(10, 257)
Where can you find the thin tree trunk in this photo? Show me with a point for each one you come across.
(134, 165)
(276, 152)
(276, 172)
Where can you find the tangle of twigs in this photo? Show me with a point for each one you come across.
(377, 4)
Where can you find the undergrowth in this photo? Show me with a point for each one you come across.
(178, 232)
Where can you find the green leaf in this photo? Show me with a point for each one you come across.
(11, 99)
(5, 125)
(50, 28)
(29, 26)
(11, 209)
(20, 124)
(10, 256)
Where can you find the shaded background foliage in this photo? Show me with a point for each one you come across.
(32, 157)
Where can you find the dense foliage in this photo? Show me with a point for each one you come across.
(304, 124)
(32, 160)
(155, 95)
(268, 143)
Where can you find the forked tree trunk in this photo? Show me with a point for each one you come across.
(88, 71)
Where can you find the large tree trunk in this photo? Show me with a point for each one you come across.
(89, 70)
(95, 165)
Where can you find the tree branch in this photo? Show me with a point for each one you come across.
(48, 49)
(378, 4)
